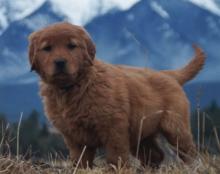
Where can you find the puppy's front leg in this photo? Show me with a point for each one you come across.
(117, 146)
(87, 154)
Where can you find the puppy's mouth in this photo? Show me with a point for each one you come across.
(62, 79)
(60, 75)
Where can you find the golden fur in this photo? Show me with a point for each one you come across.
(95, 104)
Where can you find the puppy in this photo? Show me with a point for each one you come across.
(120, 108)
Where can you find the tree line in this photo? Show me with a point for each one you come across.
(35, 137)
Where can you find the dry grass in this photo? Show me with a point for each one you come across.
(205, 164)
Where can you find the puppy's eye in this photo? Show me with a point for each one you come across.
(71, 46)
(47, 48)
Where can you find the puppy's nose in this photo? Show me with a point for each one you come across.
(60, 64)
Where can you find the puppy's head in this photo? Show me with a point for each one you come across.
(60, 52)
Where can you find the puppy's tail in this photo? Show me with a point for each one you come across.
(191, 69)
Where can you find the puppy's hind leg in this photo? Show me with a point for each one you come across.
(179, 135)
(150, 153)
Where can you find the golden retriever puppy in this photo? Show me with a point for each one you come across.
(120, 108)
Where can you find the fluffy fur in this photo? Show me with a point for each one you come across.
(95, 104)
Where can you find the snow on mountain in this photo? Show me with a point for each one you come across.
(157, 8)
(16, 10)
(3, 20)
(77, 11)
(82, 11)
(12, 10)
(210, 5)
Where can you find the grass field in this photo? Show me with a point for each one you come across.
(205, 164)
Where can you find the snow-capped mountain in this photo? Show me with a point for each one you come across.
(149, 32)
(152, 33)
(211, 5)
(20, 18)
(159, 34)
(13, 42)
(76, 11)
(11, 10)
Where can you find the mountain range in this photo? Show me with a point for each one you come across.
(152, 33)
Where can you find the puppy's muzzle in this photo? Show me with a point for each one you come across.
(60, 65)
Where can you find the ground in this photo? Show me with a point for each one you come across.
(205, 164)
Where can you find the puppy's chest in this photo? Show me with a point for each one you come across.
(75, 119)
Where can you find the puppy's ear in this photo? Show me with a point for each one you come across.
(32, 49)
(90, 46)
